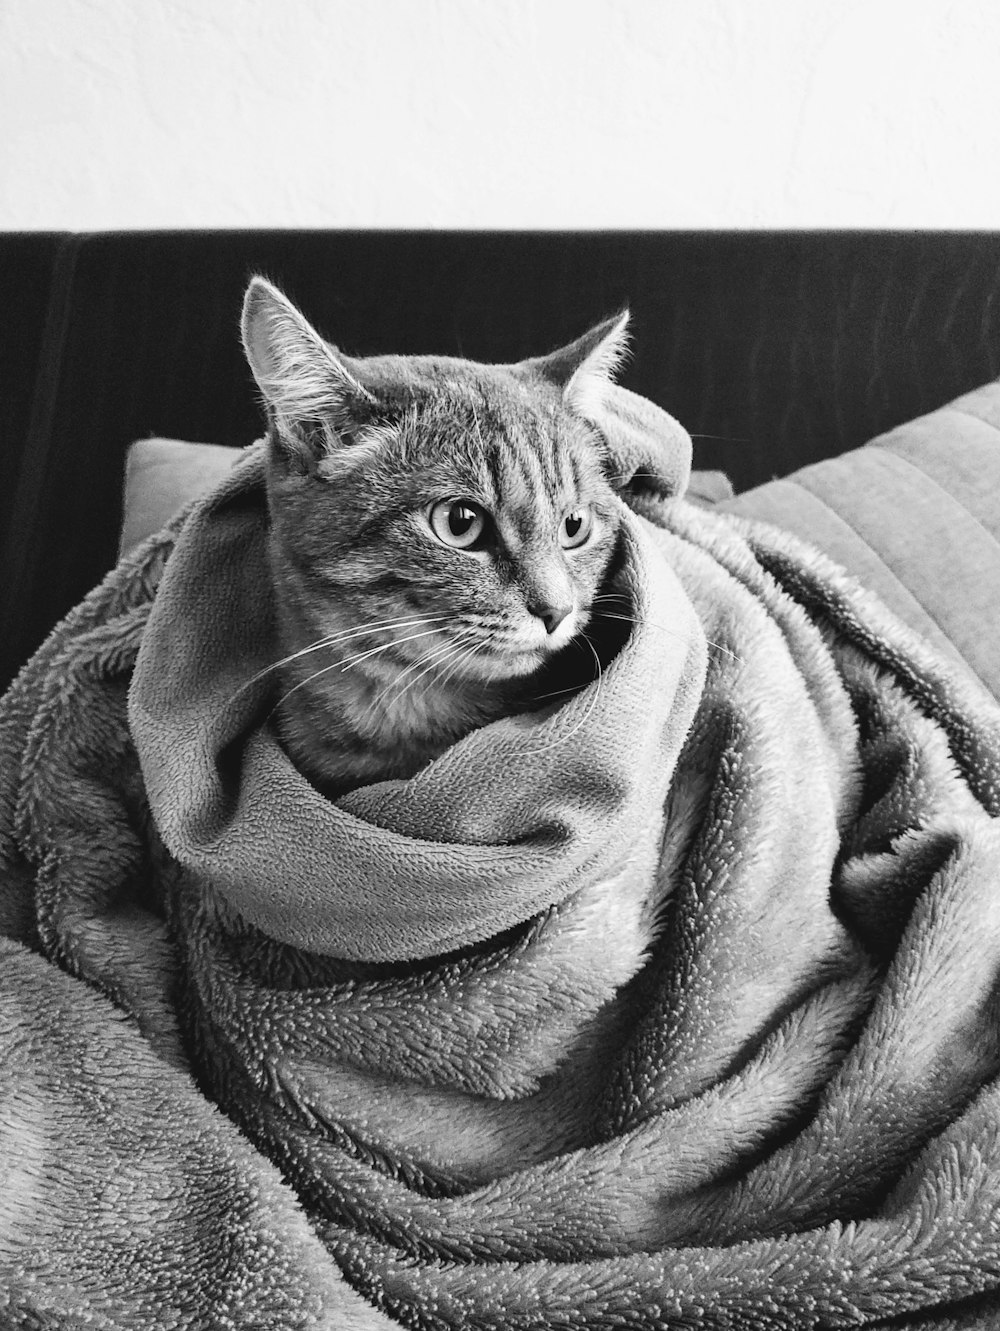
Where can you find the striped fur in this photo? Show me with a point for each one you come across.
(394, 644)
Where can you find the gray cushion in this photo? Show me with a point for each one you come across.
(161, 476)
(915, 516)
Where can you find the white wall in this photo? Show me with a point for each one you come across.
(499, 113)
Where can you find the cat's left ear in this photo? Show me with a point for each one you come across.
(647, 449)
(317, 408)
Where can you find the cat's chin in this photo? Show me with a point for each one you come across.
(498, 667)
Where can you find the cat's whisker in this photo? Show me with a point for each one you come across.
(467, 653)
(401, 708)
(664, 628)
(449, 667)
(460, 649)
(349, 662)
(325, 670)
(473, 649)
(580, 640)
(560, 693)
(545, 748)
(436, 660)
(334, 639)
(623, 477)
(433, 657)
(469, 641)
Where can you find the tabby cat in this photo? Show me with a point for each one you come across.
(440, 533)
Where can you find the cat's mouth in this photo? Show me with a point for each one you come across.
(506, 660)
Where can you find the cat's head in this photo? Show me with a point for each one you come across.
(464, 511)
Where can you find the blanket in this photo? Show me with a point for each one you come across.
(673, 1003)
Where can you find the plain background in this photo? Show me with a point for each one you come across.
(499, 113)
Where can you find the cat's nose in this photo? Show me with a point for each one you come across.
(552, 614)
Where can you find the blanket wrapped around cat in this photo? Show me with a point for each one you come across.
(672, 1004)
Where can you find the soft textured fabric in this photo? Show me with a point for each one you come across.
(395, 870)
(672, 1005)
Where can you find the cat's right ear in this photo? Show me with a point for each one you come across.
(646, 449)
(315, 405)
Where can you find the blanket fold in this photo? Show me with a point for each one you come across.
(673, 1003)
(503, 806)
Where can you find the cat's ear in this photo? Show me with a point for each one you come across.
(315, 404)
(585, 368)
(647, 451)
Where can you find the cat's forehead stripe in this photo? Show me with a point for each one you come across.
(495, 466)
(533, 471)
(575, 478)
(537, 469)
(538, 479)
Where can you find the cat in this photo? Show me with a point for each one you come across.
(441, 533)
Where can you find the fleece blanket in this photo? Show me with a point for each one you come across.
(672, 1004)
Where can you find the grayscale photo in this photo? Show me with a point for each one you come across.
(500, 700)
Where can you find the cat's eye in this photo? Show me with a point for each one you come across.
(575, 528)
(459, 523)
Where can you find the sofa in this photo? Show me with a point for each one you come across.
(776, 350)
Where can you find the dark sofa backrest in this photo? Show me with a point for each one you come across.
(775, 350)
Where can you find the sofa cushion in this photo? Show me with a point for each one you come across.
(915, 516)
(161, 476)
